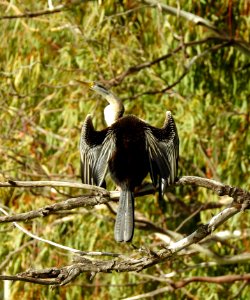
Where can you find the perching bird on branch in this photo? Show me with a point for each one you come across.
(129, 149)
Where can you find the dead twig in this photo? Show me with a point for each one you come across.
(64, 275)
(28, 14)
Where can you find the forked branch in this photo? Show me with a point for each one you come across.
(63, 275)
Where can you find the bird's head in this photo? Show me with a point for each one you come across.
(115, 109)
(96, 87)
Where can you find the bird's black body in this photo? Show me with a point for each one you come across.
(129, 149)
(129, 164)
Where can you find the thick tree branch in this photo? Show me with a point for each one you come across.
(216, 186)
(84, 201)
(61, 276)
(51, 183)
(99, 195)
(239, 195)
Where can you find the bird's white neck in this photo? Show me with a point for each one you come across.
(114, 110)
(110, 115)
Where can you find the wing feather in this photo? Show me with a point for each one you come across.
(94, 153)
(101, 162)
(163, 150)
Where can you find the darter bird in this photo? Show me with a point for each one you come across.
(128, 149)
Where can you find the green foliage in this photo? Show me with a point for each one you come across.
(42, 112)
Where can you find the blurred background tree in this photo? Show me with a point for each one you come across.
(155, 61)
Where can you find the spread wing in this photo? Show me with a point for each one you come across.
(163, 150)
(96, 148)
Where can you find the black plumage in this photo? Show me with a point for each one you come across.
(129, 149)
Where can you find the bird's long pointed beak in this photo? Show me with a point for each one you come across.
(88, 84)
(96, 87)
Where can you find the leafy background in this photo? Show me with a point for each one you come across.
(42, 110)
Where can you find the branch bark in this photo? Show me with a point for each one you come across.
(61, 276)
(39, 13)
(99, 195)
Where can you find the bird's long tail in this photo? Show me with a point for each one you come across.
(124, 224)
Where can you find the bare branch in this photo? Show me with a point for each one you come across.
(187, 15)
(84, 201)
(49, 183)
(182, 283)
(119, 78)
(61, 276)
(242, 45)
(73, 250)
(215, 279)
(216, 186)
(57, 9)
(66, 274)
(185, 72)
(134, 69)
(99, 195)
(239, 195)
